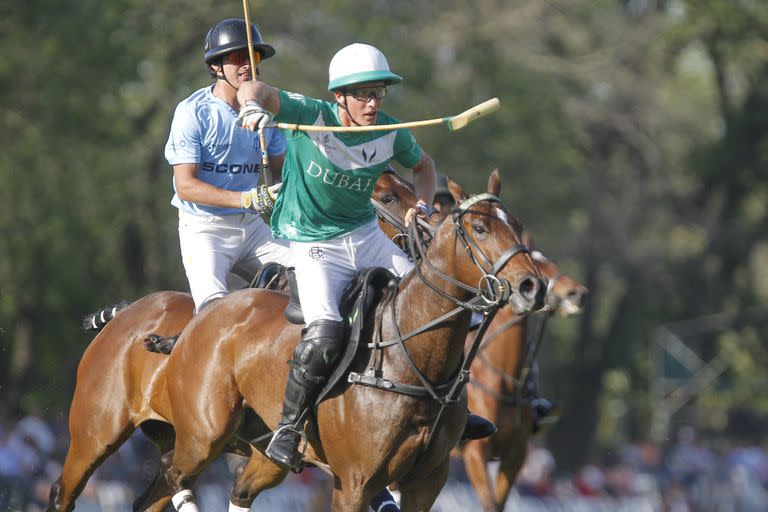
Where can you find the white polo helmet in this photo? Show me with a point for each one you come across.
(359, 63)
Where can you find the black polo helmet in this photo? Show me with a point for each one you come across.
(441, 190)
(230, 35)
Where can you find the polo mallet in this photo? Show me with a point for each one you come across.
(454, 123)
(266, 171)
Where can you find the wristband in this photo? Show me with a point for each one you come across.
(425, 208)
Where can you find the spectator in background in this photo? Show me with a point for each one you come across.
(689, 459)
(536, 474)
(590, 481)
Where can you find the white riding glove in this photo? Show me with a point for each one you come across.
(253, 116)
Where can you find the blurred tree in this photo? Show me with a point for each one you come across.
(631, 141)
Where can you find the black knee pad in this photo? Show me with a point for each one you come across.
(321, 344)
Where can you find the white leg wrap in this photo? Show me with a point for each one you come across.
(235, 508)
(395, 494)
(183, 501)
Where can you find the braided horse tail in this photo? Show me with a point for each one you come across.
(96, 321)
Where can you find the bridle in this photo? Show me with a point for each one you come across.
(491, 294)
(551, 282)
(531, 355)
(493, 290)
(385, 215)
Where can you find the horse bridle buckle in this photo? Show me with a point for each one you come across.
(494, 290)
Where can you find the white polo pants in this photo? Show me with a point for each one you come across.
(325, 269)
(212, 245)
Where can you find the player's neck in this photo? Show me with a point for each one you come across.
(226, 93)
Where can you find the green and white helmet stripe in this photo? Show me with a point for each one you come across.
(359, 63)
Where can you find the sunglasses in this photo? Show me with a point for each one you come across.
(366, 94)
(240, 57)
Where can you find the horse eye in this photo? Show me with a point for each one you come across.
(386, 199)
(479, 229)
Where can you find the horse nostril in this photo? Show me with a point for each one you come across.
(527, 288)
(577, 297)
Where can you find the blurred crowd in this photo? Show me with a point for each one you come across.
(691, 473)
(687, 475)
(32, 451)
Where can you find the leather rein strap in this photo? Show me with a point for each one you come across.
(487, 300)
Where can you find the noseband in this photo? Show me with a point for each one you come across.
(495, 292)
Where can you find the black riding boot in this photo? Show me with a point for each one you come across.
(313, 361)
(477, 427)
(545, 413)
(284, 448)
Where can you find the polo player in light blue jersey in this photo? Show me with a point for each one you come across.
(216, 167)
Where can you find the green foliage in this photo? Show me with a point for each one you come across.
(631, 141)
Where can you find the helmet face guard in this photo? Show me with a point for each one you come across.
(229, 35)
(357, 64)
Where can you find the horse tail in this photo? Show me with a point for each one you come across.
(96, 321)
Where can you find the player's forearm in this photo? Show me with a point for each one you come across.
(199, 192)
(263, 94)
(425, 179)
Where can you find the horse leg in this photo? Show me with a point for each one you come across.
(509, 467)
(198, 442)
(475, 460)
(418, 495)
(88, 448)
(153, 496)
(348, 499)
(163, 436)
(253, 476)
(156, 497)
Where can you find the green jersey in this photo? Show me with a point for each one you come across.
(328, 178)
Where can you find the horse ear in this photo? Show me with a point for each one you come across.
(494, 183)
(456, 191)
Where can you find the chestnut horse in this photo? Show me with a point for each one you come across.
(234, 352)
(117, 361)
(498, 391)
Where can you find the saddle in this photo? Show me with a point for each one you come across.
(358, 304)
(271, 276)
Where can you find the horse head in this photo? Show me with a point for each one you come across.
(392, 196)
(565, 295)
(482, 241)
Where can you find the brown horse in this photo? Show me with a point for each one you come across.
(117, 361)
(498, 388)
(234, 352)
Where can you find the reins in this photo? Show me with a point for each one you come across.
(487, 300)
(399, 224)
(531, 356)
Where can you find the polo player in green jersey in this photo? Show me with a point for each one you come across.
(324, 210)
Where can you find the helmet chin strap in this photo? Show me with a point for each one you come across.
(346, 109)
(221, 76)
